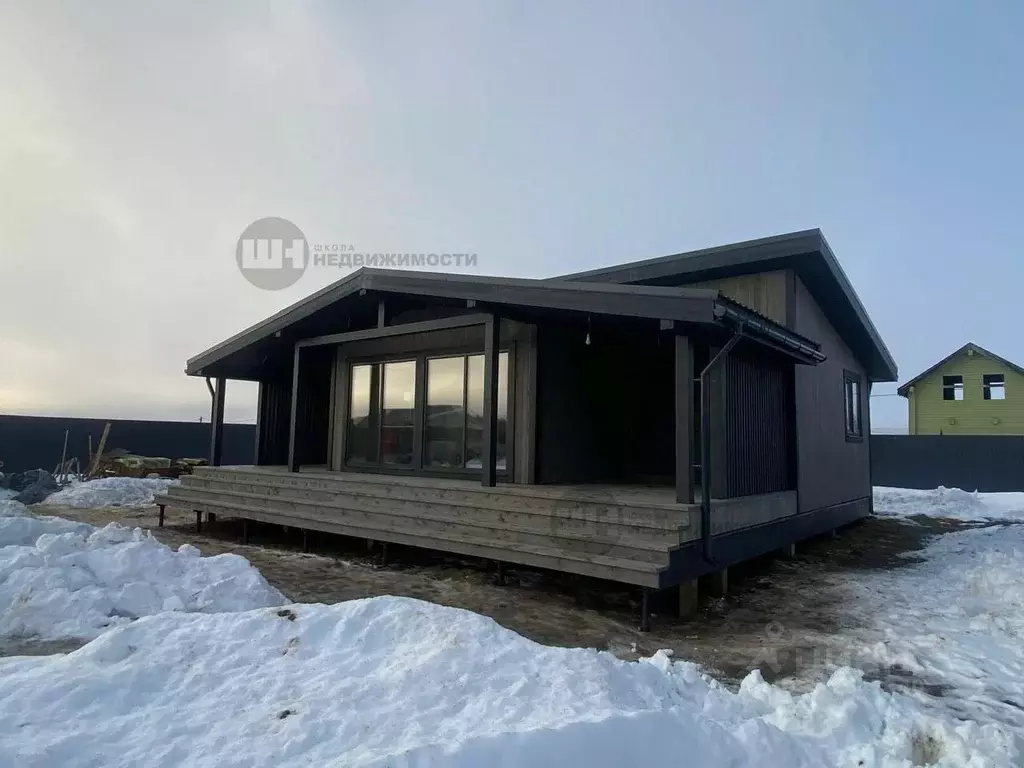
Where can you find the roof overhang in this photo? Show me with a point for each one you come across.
(806, 252)
(685, 306)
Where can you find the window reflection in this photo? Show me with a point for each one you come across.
(359, 443)
(398, 412)
(475, 411)
(383, 417)
(446, 411)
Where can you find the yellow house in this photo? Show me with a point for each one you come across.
(971, 392)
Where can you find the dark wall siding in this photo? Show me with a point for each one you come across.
(604, 410)
(831, 470)
(273, 424)
(754, 427)
(971, 462)
(570, 434)
(314, 414)
(33, 442)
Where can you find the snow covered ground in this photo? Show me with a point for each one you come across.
(954, 623)
(398, 682)
(109, 492)
(68, 580)
(949, 503)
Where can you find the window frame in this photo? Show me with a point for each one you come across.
(419, 466)
(988, 382)
(853, 381)
(956, 386)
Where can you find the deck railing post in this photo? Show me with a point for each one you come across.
(684, 420)
(489, 460)
(216, 420)
(293, 419)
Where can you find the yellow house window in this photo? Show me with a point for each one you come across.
(993, 386)
(952, 387)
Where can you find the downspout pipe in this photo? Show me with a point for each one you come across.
(705, 441)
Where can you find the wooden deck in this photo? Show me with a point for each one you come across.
(621, 533)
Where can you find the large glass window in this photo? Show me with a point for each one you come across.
(383, 417)
(398, 412)
(475, 411)
(446, 412)
(360, 442)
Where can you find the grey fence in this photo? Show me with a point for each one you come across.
(31, 442)
(970, 462)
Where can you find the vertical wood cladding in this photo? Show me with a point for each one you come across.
(831, 468)
(764, 292)
(315, 378)
(605, 410)
(753, 426)
(273, 419)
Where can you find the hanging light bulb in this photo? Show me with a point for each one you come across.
(587, 339)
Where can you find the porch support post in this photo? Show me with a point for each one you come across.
(684, 419)
(489, 472)
(293, 426)
(260, 405)
(217, 421)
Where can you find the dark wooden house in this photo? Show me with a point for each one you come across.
(647, 423)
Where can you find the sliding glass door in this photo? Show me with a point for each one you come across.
(386, 417)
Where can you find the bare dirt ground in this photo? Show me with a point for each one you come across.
(781, 615)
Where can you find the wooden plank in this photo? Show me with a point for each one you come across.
(553, 527)
(432, 525)
(602, 511)
(648, 497)
(98, 457)
(405, 329)
(611, 569)
(217, 422)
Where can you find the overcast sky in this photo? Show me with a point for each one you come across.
(138, 140)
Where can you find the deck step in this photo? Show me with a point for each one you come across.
(599, 566)
(436, 520)
(600, 509)
(566, 519)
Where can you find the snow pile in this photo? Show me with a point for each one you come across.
(954, 622)
(62, 579)
(398, 682)
(110, 492)
(949, 503)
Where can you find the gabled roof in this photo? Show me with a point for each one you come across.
(686, 305)
(904, 390)
(807, 252)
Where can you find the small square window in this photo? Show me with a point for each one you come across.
(852, 403)
(952, 387)
(994, 386)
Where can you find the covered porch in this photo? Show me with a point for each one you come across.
(610, 431)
